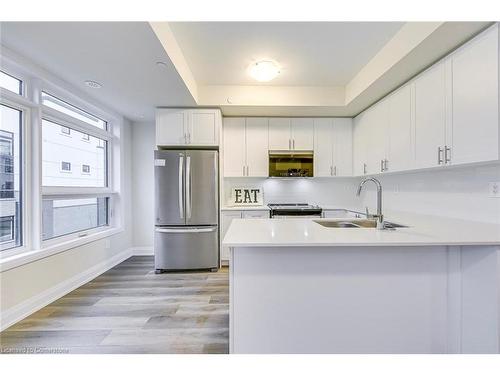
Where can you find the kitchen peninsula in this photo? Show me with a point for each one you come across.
(297, 286)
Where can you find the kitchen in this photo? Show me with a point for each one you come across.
(277, 200)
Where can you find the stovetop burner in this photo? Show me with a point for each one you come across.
(294, 209)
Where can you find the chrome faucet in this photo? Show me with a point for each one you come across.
(378, 216)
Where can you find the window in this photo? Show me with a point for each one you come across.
(75, 112)
(10, 178)
(86, 168)
(92, 153)
(65, 130)
(66, 216)
(7, 228)
(65, 166)
(11, 83)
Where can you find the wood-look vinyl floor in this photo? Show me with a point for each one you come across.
(129, 309)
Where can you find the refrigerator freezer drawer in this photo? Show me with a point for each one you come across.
(184, 248)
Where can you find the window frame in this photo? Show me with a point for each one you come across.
(25, 179)
(35, 80)
(74, 192)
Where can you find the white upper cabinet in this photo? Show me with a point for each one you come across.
(170, 126)
(360, 143)
(234, 147)
(332, 147)
(279, 134)
(302, 134)
(475, 100)
(400, 155)
(203, 127)
(195, 127)
(377, 137)
(323, 147)
(430, 117)
(257, 154)
(291, 134)
(245, 147)
(342, 147)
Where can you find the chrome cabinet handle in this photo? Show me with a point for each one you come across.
(248, 173)
(364, 168)
(293, 144)
(440, 155)
(447, 154)
(181, 186)
(381, 165)
(335, 170)
(386, 168)
(331, 170)
(289, 144)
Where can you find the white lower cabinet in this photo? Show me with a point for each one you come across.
(226, 219)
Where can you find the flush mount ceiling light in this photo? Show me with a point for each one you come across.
(264, 70)
(93, 84)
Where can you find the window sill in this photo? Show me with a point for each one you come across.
(26, 257)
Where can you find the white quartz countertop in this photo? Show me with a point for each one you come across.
(246, 208)
(422, 231)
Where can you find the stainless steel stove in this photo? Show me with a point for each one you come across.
(294, 210)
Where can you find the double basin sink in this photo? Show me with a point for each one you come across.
(356, 223)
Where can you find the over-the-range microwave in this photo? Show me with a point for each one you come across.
(291, 164)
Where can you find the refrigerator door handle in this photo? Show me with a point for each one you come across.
(186, 230)
(181, 186)
(188, 187)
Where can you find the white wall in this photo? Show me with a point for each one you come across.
(459, 192)
(143, 145)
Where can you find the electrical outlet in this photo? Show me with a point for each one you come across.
(495, 189)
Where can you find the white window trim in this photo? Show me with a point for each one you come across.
(34, 81)
(25, 171)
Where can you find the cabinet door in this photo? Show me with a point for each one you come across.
(256, 214)
(234, 147)
(203, 127)
(257, 154)
(171, 127)
(323, 147)
(302, 134)
(376, 128)
(400, 143)
(360, 143)
(342, 149)
(475, 100)
(430, 118)
(226, 218)
(279, 134)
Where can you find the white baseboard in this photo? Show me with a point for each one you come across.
(35, 303)
(142, 250)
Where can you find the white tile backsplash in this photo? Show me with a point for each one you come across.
(459, 192)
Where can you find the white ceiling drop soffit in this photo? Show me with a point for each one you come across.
(327, 68)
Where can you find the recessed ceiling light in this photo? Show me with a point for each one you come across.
(93, 84)
(264, 70)
(161, 64)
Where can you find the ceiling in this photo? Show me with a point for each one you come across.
(328, 69)
(308, 53)
(121, 56)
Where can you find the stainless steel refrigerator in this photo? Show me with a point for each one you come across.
(186, 209)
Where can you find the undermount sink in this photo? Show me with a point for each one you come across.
(356, 223)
